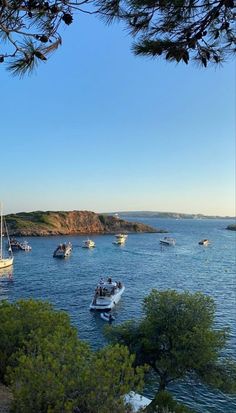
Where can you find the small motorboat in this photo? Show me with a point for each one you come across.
(89, 244)
(16, 245)
(63, 250)
(120, 239)
(107, 317)
(204, 242)
(25, 246)
(167, 241)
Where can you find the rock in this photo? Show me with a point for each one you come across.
(232, 227)
(41, 223)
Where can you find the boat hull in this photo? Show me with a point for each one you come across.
(63, 252)
(204, 242)
(6, 262)
(167, 241)
(106, 303)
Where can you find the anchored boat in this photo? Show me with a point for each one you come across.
(107, 294)
(16, 245)
(89, 244)
(63, 250)
(204, 242)
(167, 241)
(120, 239)
(8, 261)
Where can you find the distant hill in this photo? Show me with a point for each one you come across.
(40, 223)
(175, 215)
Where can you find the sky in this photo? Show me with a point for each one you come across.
(96, 128)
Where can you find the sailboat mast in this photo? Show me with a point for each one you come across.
(1, 232)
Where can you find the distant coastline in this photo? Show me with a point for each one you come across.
(158, 214)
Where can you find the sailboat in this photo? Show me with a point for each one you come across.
(8, 261)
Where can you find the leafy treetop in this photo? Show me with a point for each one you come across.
(51, 370)
(176, 338)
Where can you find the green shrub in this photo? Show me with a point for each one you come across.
(51, 371)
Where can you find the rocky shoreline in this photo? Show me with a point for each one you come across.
(40, 223)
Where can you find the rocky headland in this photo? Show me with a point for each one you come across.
(231, 227)
(40, 223)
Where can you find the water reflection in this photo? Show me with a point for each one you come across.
(6, 277)
(6, 272)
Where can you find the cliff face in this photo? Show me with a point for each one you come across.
(68, 223)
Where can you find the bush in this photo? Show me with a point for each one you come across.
(50, 370)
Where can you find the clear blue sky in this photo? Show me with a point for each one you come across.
(97, 128)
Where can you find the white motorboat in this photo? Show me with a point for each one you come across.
(107, 294)
(167, 241)
(63, 250)
(25, 246)
(16, 245)
(120, 239)
(4, 261)
(89, 244)
(204, 242)
(107, 317)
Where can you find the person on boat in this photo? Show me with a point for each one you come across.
(101, 281)
(109, 280)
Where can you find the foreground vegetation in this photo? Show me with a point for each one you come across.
(50, 370)
(177, 339)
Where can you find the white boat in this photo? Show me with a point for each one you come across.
(15, 245)
(167, 241)
(89, 244)
(25, 246)
(4, 261)
(204, 242)
(63, 250)
(107, 294)
(136, 401)
(107, 317)
(120, 239)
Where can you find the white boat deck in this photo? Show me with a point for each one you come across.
(107, 295)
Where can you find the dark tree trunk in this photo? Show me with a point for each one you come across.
(162, 384)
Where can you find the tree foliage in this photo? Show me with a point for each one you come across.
(164, 403)
(24, 320)
(176, 338)
(50, 370)
(180, 30)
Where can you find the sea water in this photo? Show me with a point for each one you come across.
(142, 264)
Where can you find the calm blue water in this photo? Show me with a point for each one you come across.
(142, 264)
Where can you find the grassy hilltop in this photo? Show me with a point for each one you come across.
(40, 223)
